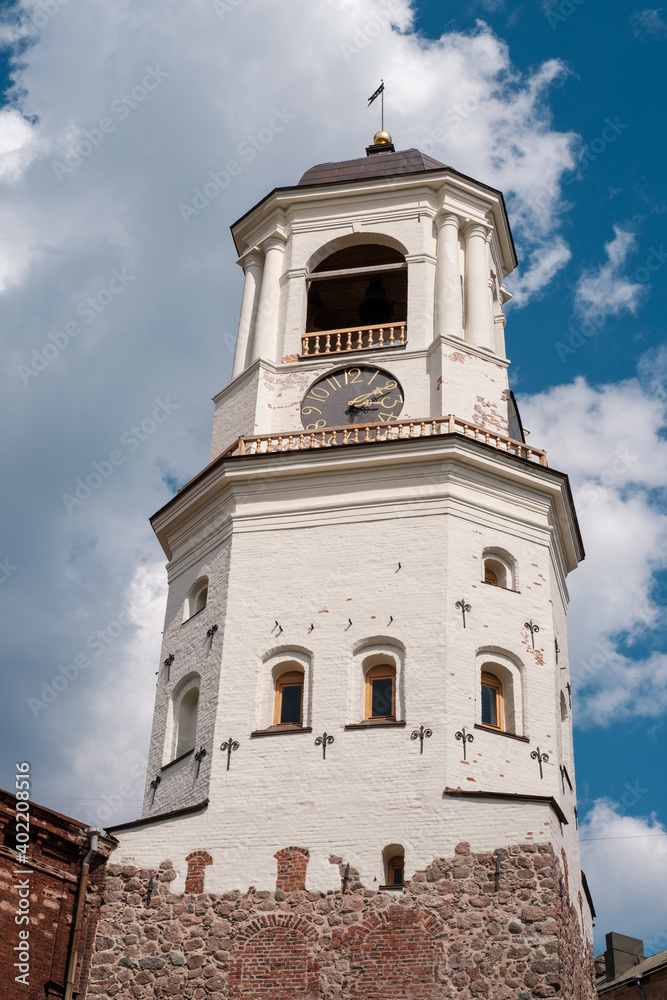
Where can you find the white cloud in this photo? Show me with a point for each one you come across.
(607, 290)
(649, 21)
(625, 860)
(547, 260)
(611, 441)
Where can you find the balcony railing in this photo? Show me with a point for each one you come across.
(348, 339)
(374, 433)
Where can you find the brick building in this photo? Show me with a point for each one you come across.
(39, 892)
(627, 975)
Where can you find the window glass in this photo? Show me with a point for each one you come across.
(489, 706)
(290, 708)
(382, 697)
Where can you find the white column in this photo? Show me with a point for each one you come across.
(479, 330)
(266, 323)
(252, 265)
(448, 296)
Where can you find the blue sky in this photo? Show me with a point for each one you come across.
(556, 103)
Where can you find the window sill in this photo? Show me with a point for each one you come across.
(177, 759)
(376, 724)
(501, 732)
(508, 590)
(281, 730)
(391, 888)
(195, 615)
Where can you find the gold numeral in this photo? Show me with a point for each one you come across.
(377, 372)
(307, 410)
(331, 381)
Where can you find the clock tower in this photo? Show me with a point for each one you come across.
(361, 777)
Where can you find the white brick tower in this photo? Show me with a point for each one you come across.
(373, 553)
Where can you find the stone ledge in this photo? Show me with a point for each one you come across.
(281, 731)
(377, 724)
(501, 732)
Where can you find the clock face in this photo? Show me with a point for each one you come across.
(359, 394)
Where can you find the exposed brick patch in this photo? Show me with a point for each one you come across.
(448, 936)
(395, 954)
(197, 862)
(275, 960)
(292, 865)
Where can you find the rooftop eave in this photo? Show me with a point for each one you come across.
(218, 479)
(446, 181)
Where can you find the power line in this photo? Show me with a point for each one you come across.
(634, 836)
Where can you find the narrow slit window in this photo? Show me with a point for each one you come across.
(289, 699)
(492, 701)
(381, 692)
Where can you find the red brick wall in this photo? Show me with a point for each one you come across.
(55, 851)
(655, 988)
(448, 936)
(197, 862)
(292, 865)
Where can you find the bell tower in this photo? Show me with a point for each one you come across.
(362, 740)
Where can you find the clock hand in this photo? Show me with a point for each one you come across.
(366, 397)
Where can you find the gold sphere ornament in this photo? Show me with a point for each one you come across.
(381, 139)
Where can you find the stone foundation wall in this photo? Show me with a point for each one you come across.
(456, 931)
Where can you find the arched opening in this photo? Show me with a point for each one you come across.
(498, 569)
(393, 861)
(360, 286)
(288, 703)
(563, 707)
(197, 598)
(186, 720)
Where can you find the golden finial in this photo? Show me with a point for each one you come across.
(381, 139)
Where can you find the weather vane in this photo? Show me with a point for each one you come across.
(379, 92)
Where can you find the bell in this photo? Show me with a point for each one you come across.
(375, 307)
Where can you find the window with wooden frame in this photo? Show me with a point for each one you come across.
(492, 702)
(499, 569)
(396, 870)
(288, 707)
(381, 692)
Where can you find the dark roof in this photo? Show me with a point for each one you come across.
(407, 161)
(644, 968)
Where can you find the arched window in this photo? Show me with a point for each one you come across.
(197, 598)
(393, 862)
(200, 600)
(492, 701)
(288, 705)
(186, 720)
(344, 291)
(381, 692)
(498, 569)
(563, 707)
